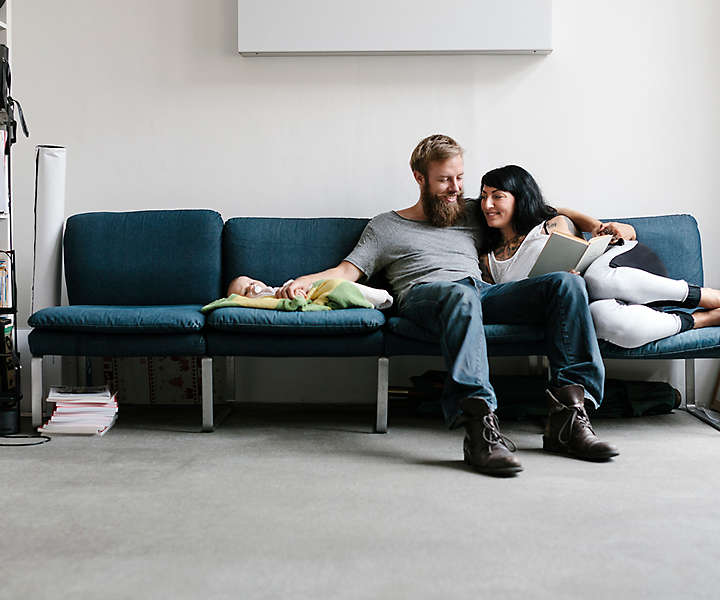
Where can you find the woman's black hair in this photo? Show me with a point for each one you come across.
(530, 207)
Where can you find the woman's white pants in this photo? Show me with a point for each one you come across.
(617, 299)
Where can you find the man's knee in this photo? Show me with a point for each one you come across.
(567, 283)
(443, 297)
(457, 299)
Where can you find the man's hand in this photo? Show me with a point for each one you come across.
(617, 230)
(301, 286)
(295, 287)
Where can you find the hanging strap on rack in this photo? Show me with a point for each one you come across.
(8, 103)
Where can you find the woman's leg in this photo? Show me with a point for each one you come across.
(629, 284)
(709, 298)
(633, 325)
(706, 318)
(636, 286)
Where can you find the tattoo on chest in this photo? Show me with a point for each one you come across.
(509, 248)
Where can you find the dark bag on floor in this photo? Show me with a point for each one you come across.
(522, 396)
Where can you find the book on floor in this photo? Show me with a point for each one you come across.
(564, 252)
(68, 393)
(81, 411)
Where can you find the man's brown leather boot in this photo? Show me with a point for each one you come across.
(568, 428)
(485, 448)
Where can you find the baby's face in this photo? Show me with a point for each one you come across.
(249, 287)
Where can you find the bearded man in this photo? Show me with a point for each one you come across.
(428, 253)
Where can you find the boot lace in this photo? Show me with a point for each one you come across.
(577, 415)
(491, 433)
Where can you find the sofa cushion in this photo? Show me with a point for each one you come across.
(52, 342)
(497, 333)
(223, 343)
(275, 250)
(405, 338)
(676, 240)
(120, 319)
(273, 322)
(695, 343)
(143, 258)
(399, 345)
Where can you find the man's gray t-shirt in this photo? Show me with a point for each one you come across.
(412, 252)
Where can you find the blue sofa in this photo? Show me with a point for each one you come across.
(136, 282)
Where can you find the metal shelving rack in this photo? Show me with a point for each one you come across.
(10, 384)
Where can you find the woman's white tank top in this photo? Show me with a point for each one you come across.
(519, 264)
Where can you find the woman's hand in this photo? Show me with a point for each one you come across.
(617, 230)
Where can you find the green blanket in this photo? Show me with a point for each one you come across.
(326, 294)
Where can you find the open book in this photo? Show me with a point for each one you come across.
(564, 252)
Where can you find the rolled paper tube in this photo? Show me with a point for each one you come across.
(50, 164)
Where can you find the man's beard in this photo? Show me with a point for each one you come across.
(439, 212)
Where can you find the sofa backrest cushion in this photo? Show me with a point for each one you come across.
(143, 258)
(276, 249)
(676, 240)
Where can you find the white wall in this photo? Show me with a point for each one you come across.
(158, 111)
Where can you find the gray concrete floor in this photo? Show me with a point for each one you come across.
(298, 503)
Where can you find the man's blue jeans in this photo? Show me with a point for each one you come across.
(455, 312)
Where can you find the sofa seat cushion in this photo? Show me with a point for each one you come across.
(120, 319)
(273, 322)
(405, 338)
(496, 332)
(223, 343)
(695, 343)
(53, 342)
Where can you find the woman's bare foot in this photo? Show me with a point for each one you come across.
(709, 298)
(706, 318)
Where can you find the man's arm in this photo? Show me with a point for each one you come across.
(595, 227)
(301, 285)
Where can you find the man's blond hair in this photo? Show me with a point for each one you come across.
(432, 148)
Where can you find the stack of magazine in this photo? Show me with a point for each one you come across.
(81, 411)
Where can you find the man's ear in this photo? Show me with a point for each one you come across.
(419, 177)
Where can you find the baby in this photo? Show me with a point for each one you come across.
(253, 288)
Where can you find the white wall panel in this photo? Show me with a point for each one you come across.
(276, 27)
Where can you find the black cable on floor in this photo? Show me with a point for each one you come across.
(40, 439)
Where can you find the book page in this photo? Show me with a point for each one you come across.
(560, 253)
(596, 248)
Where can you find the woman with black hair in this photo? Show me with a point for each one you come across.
(516, 223)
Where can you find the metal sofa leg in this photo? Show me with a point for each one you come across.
(690, 382)
(690, 405)
(230, 378)
(36, 390)
(206, 364)
(85, 370)
(381, 410)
